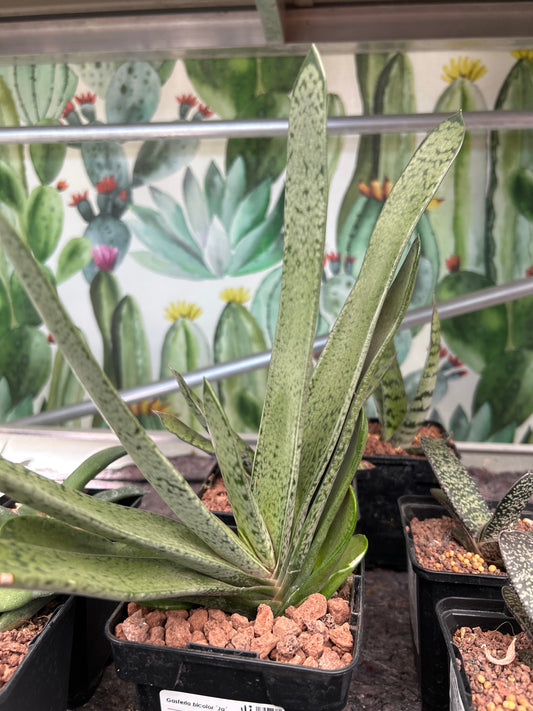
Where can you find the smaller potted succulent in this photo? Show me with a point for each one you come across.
(470, 566)
(383, 477)
(490, 642)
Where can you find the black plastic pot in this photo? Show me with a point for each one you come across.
(41, 681)
(453, 613)
(378, 490)
(231, 674)
(426, 589)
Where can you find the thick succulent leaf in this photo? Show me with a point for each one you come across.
(330, 496)
(92, 466)
(510, 508)
(249, 521)
(213, 188)
(111, 577)
(187, 434)
(391, 316)
(390, 396)
(31, 604)
(468, 505)
(517, 609)
(277, 456)
(217, 248)
(419, 407)
(341, 362)
(517, 551)
(192, 400)
(347, 562)
(337, 534)
(164, 477)
(120, 493)
(160, 534)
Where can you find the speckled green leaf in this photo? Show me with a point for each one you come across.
(275, 466)
(185, 433)
(517, 551)
(419, 406)
(510, 507)
(468, 503)
(247, 515)
(390, 397)
(111, 577)
(517, 609)
(160, 535)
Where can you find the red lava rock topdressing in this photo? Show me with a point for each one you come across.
(436, 549)
(496, 686)
(14, 646)
(314, 634)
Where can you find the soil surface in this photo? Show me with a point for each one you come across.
(385, 678)
(498, 679)
(14, 644)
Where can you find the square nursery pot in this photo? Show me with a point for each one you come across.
(206, 677)
(453, 613)
(41, 681)
(426, 589)
(378, 490)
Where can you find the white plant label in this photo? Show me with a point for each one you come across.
(181, 701)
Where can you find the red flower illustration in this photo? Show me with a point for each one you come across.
(123, 195)
(87, 98)
(188, 99)
(69, 106)
(106, 185)
(78, 197)
(529, 271)
(205, 111)
(61, 185)
(453, 263)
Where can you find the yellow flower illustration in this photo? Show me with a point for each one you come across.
(465, 67)
(182, 309)
(236, 294)
(522, 54)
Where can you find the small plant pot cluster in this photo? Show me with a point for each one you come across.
(455, 545)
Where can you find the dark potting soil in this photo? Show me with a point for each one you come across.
(385, 678)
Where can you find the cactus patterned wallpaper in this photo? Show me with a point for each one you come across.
(169, 252)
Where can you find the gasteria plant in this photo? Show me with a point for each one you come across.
(478, 527)
(400, 420)
(294, 506)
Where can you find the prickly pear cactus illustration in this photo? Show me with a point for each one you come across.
(222, 229)
(459, 223)
(386, 86)
(105, 295)
(11, 156)
(508, 248)
(237, 334)
(185, 349)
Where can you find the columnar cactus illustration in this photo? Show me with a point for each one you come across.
(222, 229)
(386, 85)
(508, 250)
(237, 334)
(459, 224)
(185, 348)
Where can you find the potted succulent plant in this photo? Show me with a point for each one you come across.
(476, 525)
(490, 642)
(294, 507)
(383, 478)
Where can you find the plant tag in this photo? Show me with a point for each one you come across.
(179, 700)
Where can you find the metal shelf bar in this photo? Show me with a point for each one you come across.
(457, 306)
(254, 128)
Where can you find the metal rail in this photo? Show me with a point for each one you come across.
(457, 306)
(258, 128)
